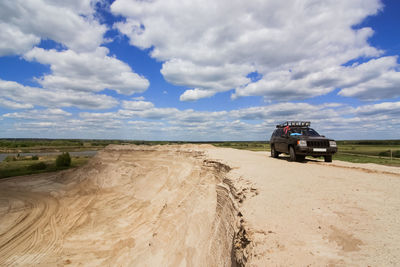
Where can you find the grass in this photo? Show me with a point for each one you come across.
(26, 166)
(367, 159)
(369, 151)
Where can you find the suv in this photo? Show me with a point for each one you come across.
(297, 139)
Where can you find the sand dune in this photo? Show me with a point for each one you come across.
(196, 205)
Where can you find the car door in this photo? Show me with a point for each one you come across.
(285, 142)
(280, 141)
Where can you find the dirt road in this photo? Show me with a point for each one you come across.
(201, 206)
(316, 213)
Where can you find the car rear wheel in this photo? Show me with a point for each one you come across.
(274, 153)
(328, 158)
(292, 154)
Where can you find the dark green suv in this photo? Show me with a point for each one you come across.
(297, 139)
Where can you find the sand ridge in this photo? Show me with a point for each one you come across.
(130, 206)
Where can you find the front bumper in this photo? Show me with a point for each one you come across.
(315, 151)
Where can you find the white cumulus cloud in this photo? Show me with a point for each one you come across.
(137, 105)
(23, 23)
(89, 71)
(33, 96)
(47, 114)
(298, 47)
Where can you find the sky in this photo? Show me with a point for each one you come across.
(198, 70)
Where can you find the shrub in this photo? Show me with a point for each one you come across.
(38, 166)
(63, 160)
(384, 153)
(35, 157)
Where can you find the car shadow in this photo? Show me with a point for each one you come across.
(287, 158)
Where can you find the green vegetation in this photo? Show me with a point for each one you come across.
(37, 166)
(18, 157)
(367, 159)
(386, 152)
(25, 165)
(63, 160)
(371, 148)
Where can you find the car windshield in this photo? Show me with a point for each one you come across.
(305, 132)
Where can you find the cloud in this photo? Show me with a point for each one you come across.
(287, 111)
(14, 105)
(299, 48)
(29, 96)
(69, 127)
(375, 80)
(47, 114)
(196, 94)
(387, 109)
(280, 85)
(91, 71)
(209, 80)
(256, 123)
(138, 98)
(372, 80)
(14, 41)
(23, 23)
(137, 105)
(152, 113)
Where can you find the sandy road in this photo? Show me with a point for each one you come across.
(318, 214)
(179, 206)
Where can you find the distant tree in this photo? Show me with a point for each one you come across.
(63, 160)
(35, 157)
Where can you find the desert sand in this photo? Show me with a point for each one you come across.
(197, 205)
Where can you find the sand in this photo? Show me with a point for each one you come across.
(196, 205)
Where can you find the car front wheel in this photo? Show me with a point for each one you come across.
(292, 154)
(328, 158)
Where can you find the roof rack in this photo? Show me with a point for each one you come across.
(294, 124)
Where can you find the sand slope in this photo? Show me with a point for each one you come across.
(195, 205)
(131, 206)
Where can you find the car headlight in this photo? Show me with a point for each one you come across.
(302, 142)
(332, 143)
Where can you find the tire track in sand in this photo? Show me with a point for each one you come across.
(21, 237)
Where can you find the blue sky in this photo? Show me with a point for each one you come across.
(198, 70)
